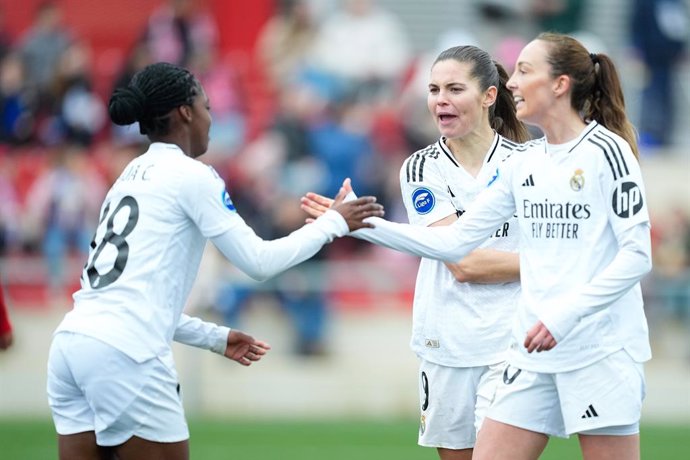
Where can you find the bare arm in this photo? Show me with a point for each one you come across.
(486, 266)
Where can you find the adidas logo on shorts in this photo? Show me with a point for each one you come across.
(590, 412)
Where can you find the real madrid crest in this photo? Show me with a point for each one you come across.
(577, 182)
(422, 425)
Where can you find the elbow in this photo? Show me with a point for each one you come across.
(646, 265)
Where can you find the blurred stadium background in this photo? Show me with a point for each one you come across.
(288, 119)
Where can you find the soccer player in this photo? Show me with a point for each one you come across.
(112, 383)
(584, 246)
(462, 311)
(5, 324)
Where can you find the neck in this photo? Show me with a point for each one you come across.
(470, 150)
(560, 129)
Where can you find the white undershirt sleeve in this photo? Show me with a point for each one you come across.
(261, 259)
(631, 264)
(201, 334)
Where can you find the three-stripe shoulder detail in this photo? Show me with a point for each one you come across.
(414, 165)
(612, 152)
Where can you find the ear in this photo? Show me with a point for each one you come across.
(561, 85)
(490, 97)
(185, 112)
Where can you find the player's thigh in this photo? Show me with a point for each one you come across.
(500, 441)
(610, 447)
(448, 398)
(141, 449)
(82, 446)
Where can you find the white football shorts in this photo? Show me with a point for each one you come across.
(95, 387)
(454, 402)
(604, 398)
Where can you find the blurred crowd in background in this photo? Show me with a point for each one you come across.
(330, 89)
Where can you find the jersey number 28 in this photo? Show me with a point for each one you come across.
(100, 280)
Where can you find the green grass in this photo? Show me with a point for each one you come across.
(301, 440)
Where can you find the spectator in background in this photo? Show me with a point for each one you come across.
(659, 31)
(564, 16)
(285, 42)
(78, 114)
(64, 201)
(5, 38)
(223, 86)
(17, 106)
(9, 212)
(5, 324)
(41, 47)
(179, 29)
(138, 58)
(361, 49)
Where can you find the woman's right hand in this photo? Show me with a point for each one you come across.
(315, 205)
(354, 211)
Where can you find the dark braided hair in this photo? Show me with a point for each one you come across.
(490, 73)
(150, 96)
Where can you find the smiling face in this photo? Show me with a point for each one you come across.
(532, 84)
(455, 100)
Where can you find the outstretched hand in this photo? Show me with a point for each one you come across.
(315, 205)
(244, 348)
(539, 338)
(353, 211)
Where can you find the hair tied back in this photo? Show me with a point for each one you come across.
(127, 105)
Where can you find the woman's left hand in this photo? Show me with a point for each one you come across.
(539, 338)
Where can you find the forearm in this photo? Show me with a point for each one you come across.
(446, 243)
(630, 265)
(261, 259)
(487, 266)
(201, 334)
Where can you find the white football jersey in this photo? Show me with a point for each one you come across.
(154, 224)
(457, 324)
(584, 246)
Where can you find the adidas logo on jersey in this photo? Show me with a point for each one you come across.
(529, 182)
(431, 343)
(590, 412)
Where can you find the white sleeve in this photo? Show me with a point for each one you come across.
(631, 264)
(425, 196)
(493, 206)
(261, 259)
(201, 334)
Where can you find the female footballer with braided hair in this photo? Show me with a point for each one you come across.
(112, 384)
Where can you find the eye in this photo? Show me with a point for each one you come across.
(433, 90)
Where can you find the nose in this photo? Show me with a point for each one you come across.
(442, 98)
(510, 84)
